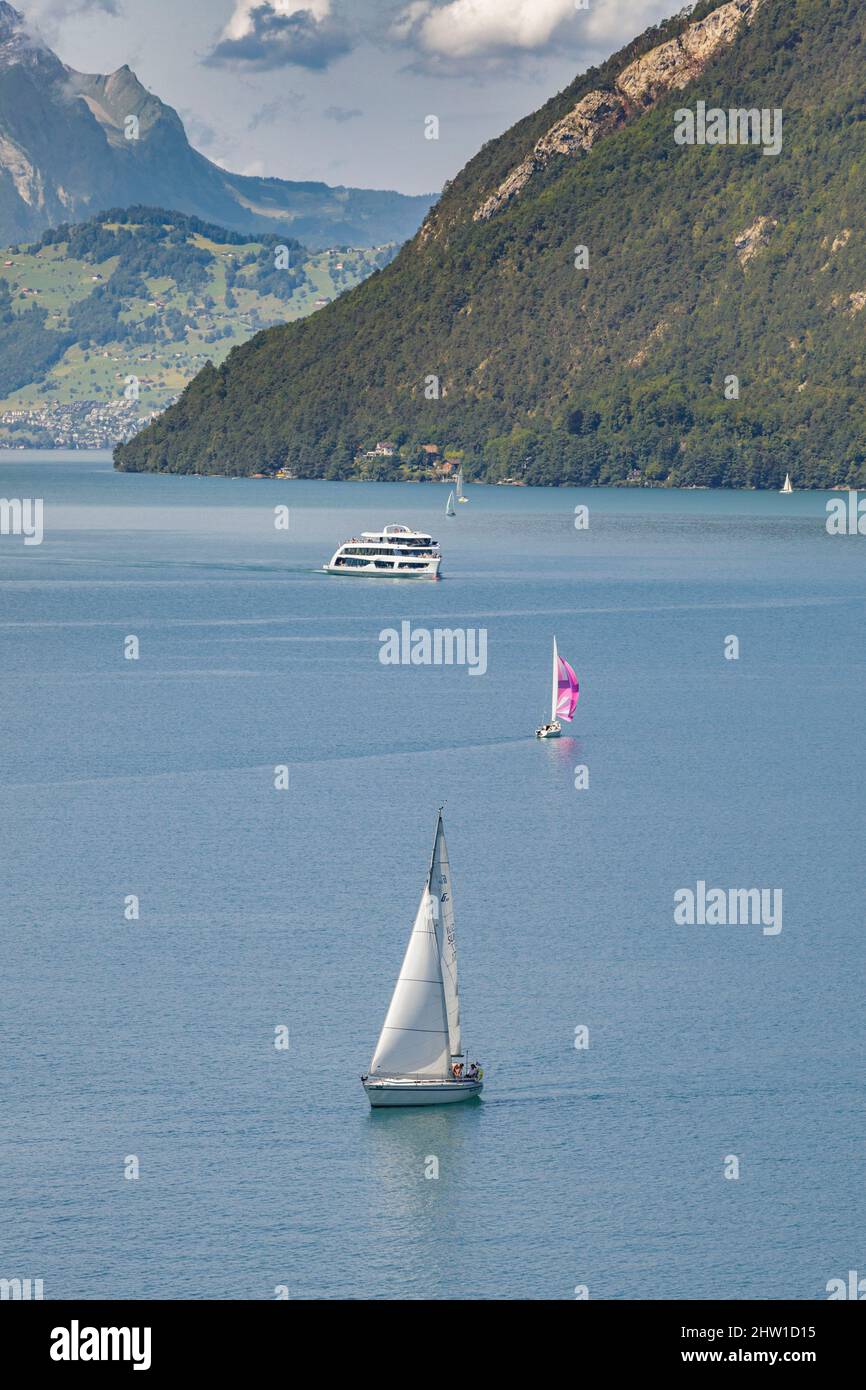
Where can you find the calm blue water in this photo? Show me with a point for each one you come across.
(155, 1038)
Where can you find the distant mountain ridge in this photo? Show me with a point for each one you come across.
(65, 157)
(593, 300)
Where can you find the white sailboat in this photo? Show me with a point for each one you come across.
(565, 692)
(788, 485)
(449, 508)
(418, 1059)
(460, 495)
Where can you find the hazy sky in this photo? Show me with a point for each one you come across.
(339, 89)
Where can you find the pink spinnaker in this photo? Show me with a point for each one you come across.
(568, 691)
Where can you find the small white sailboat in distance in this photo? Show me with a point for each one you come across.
(788, 486)
(564, 696)
(460, 494)
(449, 508)
(419, 1059)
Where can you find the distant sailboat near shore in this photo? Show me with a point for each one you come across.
(460, 494)
(788, 486)
(419, 1059)
(449, 508)
(565, 693)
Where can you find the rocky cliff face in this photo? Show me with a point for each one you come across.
(668, 68)
(65, 155)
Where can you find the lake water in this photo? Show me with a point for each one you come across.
(601, 1166)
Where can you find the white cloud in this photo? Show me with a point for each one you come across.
(461, 29)
(242, 22)
(281, 33)
(48, 12)
(472, 28)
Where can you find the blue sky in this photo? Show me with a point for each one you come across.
(327, 89)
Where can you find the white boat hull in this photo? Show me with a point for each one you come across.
(386, 571)
(404, 1092)
(549, 730)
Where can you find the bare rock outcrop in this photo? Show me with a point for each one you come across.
(596, 115)
(754, 238)
(668, 68)
(674, 65)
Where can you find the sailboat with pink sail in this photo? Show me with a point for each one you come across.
(564, 696)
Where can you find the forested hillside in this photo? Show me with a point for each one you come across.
(706, 263)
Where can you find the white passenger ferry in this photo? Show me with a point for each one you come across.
(396, 552)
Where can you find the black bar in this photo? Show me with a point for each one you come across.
(618, 1336)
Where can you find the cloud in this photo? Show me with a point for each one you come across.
(289, 107)
(42, 27)
(281, 33)
(341, 114)
(482, 28)
(459, 30)
(51, 13)
(45, 18)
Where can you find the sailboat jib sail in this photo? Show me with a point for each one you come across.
(419, 1059)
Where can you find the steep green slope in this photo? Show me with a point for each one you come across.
(705, 263)
(146, 294)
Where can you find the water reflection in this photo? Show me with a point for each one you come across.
(563, 752)
(403, 1143)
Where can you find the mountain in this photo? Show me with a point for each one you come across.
(65, 155)
(714, 338)
(142, 297)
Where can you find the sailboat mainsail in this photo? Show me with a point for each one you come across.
(421, 1032)
(788, 485)
(449, 507)
(461, 496)
(566, 689)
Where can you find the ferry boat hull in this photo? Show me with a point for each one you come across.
(403, 1091)
(395, 552)
(389, 571)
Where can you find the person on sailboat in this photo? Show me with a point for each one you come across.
(472, 1074)
(457, 1070)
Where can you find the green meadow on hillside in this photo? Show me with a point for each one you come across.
(149, 295)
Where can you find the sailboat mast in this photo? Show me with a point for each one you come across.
(555, 687)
